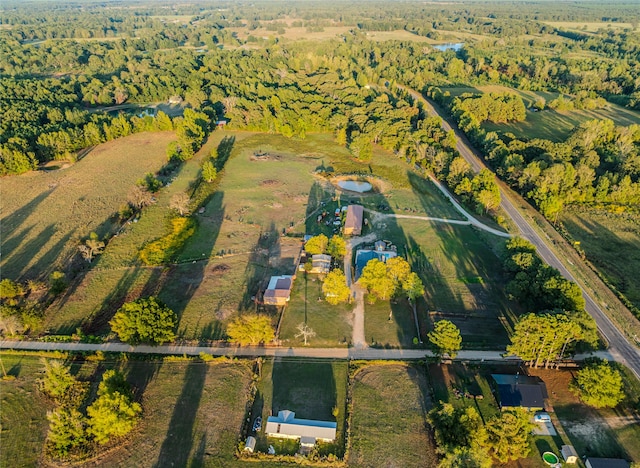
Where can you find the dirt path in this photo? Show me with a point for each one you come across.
(358, 338)
(470, 220)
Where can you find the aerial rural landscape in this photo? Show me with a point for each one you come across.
(332, 234)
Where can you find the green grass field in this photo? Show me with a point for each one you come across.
(332, 324)
(242, 236)
(312, 389)
(389, 405)
(611, 242)
(549, 124)
(463, 283)
(192, 412)
(46, 214)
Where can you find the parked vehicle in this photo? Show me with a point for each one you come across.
(542, 417)
(257, 424)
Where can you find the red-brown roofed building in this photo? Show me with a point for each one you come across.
(278, 291)
(353, 222)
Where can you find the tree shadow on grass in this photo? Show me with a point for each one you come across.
(13, 235)
(140, 374)
(308, 389)
(183, 281)
(224, 151)
(259, 266)
(180, 436)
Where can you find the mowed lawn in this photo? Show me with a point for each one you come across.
(463, 283)
(192, 412)
(312, 389)
(387, 426)
(549, 124)
(46, 214)
(611, 241)
(331, 324)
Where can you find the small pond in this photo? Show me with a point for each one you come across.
(455, 46)
(355, 185)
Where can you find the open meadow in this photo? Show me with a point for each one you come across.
(549, 124)
(387, 426)
(611, 241)
(193, 412)
(45, 214)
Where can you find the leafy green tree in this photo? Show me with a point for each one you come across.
(67, 430)
(57, 379)
(445, 338)
(599, 385)
(114, 413)
(507, 436)
(455, 427)
(209, 172)
(398, 270)
(9, 289)
(335, 287)
(375, 279)
(466, 457)
(316, 245)
(146, 320)
(251, 330)
(337, 247)
(57, 282)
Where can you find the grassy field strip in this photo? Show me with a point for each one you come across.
(389, 405)
(192, 415)
(65, 205)
(118, 275)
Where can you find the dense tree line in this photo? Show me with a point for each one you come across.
(558, 323)
(599, 163)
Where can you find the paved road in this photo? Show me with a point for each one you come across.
(250, 351)
(619, 347)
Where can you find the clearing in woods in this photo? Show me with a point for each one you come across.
(549, 124)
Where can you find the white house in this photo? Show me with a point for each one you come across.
(309, 431)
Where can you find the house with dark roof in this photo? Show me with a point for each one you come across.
(520, 391)
(278, 291)
(606, 463)
(353, 220)
(309, 431)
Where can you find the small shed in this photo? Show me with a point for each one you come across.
(250, 444)
(320, 263)
(569, 454)
(353, 221)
